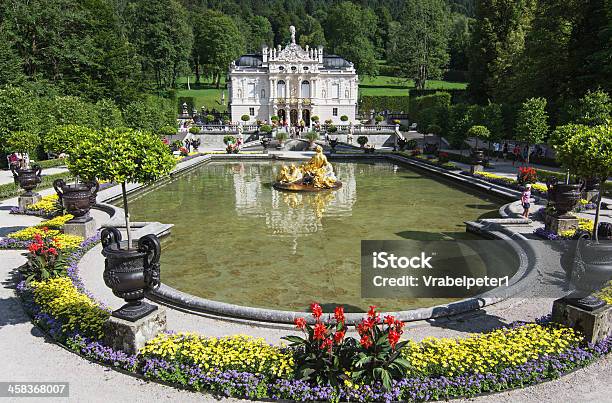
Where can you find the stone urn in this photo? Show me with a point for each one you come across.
(27, 178)
(131, 273)
(563, 196)
(402, 143)
(333, 143)
(478, 157)
(591, 271)
(78, 198)
(265, 142)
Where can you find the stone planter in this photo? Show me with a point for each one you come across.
(130, 273)
(27, 178)
(592, 270)
(78, 198)
(478, 157)
(563, 197)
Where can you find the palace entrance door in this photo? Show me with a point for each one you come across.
(294, 117)
(306, 117)
(282, 116)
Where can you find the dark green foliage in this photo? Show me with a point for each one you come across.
(379, 103)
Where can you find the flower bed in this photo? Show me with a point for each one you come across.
(514, 356)
(538, 188)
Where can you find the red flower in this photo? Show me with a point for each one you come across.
(365, 341)
(316, 309)
(339, 336)
(362, 328)
(300, 323)
(33, 247)
(372, 312)
(393, 338)
(389, 320)
(37, 238)
(52, 251)
(339, 314)
(320, 331)
(327, 343)
(399, 325)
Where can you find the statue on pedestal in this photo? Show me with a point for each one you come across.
(316, 174)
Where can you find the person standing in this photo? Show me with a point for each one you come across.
(516, 151)
(505, 150)
(526, 200)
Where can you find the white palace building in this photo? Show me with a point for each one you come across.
(293, 84)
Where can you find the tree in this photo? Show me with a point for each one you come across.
(109, 115)
(497, 40)
(10, 64)
(18, 111)
(150, 113)
(594, 109)
(532, 122)
(121, 156)
(586, 151)
(460, 121)
(422, 48)
(23, 142)
(479, 133)
(261, 33)
(217, 43)
(163, 39)
(312, 34)
(63, 139)
(349, 32)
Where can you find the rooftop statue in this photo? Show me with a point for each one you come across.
(316, 174)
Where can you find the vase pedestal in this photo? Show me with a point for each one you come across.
(84, 229)
(559, 224)
(28, 199)
(130, 336)
(595, 325)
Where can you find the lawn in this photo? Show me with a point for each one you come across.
(205, 93)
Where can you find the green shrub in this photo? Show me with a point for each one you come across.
(281, 136)
(312, 136)
(229, 139)
(265, 129)
(209, 118)
(379, 103)
(362, 140)
(344, 118)
(194, 130)
(315, 118)
(245, 118)
(332, 129)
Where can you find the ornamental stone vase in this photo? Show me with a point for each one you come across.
(478, 157)
(77, 199)
(592, 270)
(402, 143)
(563, 196)
(131, 273)
(27, 178)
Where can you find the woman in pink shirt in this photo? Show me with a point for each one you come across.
(525, 200)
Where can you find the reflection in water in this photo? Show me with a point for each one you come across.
(292, 214)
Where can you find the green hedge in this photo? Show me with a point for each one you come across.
(54, 163)
(9, 190)
(379, 103)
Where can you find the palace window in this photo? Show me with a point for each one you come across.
(251, 90)
(335, 111)
(263, 94)
(335, 91)
(305, 89)
(280, 89)
(252, 111)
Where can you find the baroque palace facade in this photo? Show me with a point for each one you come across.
(294, 84)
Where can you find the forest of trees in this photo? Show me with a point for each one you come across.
(124, 51)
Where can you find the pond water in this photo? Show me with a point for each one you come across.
(237, 240)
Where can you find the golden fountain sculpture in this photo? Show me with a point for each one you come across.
(316, 174)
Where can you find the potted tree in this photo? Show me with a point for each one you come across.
(194, 130)
(362, 141)
(587, 152)
(344, 118)
(281, 136)
(122, 156)
(210, 119)
(378, 119)
(312, 136)
(245, 118)
(25, 174)
(479, 133)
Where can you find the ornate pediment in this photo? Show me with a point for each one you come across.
(292, 53)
